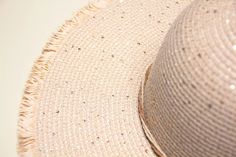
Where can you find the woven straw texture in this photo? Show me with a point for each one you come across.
(81, 98)
(190, 96)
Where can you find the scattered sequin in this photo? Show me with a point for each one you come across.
(232, 86)
(227, 21)
(199, 55)
(209, 106)
(193, 86)
(221, 102)
(234, 47)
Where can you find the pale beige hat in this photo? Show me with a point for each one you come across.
(97, 89)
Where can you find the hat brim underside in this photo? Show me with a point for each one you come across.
(81, 98)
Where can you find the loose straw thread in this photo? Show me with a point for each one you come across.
(27, 138)
(155, 147)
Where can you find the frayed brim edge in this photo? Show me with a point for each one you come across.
(155, 147)
(27, 139)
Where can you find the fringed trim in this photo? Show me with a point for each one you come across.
(155, 147)
(27, 142)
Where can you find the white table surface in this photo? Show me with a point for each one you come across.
(25, 26)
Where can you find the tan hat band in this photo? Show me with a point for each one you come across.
(155, 147)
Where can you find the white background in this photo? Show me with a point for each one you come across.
(25, 26)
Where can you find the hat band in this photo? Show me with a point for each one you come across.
(155, 147)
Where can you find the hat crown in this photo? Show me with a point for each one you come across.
(190, 95)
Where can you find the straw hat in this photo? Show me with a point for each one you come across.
(97, 89)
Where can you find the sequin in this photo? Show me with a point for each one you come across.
(227, 21)
(234, 47)
(232, 86)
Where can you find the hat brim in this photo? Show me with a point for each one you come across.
(82, 95)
